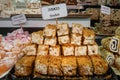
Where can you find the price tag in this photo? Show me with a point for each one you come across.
(54, 11)
(19, 19)
(105, 10)
(114, 44)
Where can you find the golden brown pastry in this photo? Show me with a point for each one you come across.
(37, 37)
(92, 49)
(68, 50)
(69, 66)
(80, 50)
(43, 50)
(99, 65)
(84, 66)
(88, 36)
(50, 41)
(55, 50)
(64, 39)
(50, 30)
(24, 66)
(54, 67)
(76, 39)
(41, 65)
(77, 28)
(30, 49)
(62, 29)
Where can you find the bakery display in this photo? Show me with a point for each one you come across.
(68, 55)
(110, 51)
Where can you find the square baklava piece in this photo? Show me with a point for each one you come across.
(92, 49)
(43, 50)
(37, 37)
(100, 66)
(62, 29)
(77, 28)
(68, 50)
(88, 36)
(85, 67)
(69, 66)
(50, 30)
(54, 67)
(76, 39)
(30, 49)
(50, 41)
(64, 39)
(41, 65)
(24, 66)
(80, 50)
(55, 50)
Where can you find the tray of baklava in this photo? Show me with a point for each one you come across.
(57, 53)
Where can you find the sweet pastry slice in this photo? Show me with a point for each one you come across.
(85, 67)
(50, 30)
(80, 50)
(76, 39)
(41, 65)
(68, 50)
(24, 66)
(37, 37)
(43, 50)
(54, 67)
(69, 66)
(55, 50)
(62, 29)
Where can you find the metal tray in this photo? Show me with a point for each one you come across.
(110, 75)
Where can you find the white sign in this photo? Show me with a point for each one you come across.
(19, 19)
(54, 11)
(105, 10)
(114, 44)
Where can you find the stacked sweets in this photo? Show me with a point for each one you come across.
(110, 49)
(61, 51)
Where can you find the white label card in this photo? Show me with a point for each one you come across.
(54, 11)
(19, 19)
(105, 10)
(114, 44)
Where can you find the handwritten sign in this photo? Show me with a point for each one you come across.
(114, 44)
(19, 19)
(105, 10)
(54, 11)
